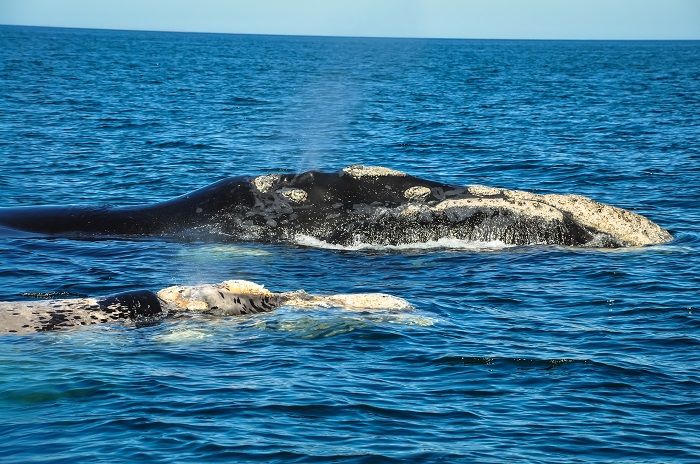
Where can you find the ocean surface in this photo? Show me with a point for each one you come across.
(517, 354)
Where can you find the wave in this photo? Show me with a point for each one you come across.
(442, 243)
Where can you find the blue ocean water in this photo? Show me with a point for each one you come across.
(523, 354)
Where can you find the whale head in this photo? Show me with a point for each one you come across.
(231, 297)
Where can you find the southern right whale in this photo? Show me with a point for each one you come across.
(373, 205)
(228, 298)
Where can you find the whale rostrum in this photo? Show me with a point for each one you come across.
(373, 205)
(228, 298)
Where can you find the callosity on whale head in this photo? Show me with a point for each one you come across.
(358, 204)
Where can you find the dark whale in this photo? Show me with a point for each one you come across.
(357, 204)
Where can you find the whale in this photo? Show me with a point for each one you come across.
(357, 204)
(142, 307)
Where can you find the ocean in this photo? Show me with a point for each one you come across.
(519, 354)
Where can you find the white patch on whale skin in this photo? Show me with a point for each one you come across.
(231, 297)
(245, 286)
(483, 190)
(368, 302)
(23, 317)
(349, 301)
(417, 193)
(521, 195)
(631, 228)
(264, 183)
(359, 170)
(294, 195)
(460, 209)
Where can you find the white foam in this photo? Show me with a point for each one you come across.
(442, 243)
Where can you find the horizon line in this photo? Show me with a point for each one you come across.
(342, 36)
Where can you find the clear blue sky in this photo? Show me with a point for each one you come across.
(528, 19)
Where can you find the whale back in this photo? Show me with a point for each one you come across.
(22, 317)
(358, 204)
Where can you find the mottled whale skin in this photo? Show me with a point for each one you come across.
(228, 298)
(358, 204)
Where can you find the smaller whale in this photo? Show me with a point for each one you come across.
(228, 298)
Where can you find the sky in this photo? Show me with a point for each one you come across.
(487, 19)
